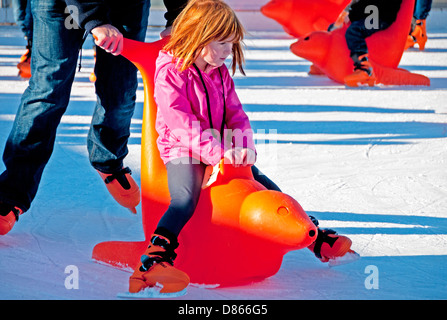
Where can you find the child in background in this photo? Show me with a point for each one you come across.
(200, 120)
(359, 30)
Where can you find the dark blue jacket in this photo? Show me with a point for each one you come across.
(93, 13)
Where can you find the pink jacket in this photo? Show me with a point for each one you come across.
(183, 123)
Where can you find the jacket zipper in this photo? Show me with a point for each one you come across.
(208, 99)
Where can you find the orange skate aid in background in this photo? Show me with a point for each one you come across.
(239, 232)
(329, 51)
(300, 17)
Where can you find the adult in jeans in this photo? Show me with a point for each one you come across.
(56, 45)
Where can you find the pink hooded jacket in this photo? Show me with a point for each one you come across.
(183, 122)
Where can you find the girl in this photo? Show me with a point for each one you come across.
(200, 120)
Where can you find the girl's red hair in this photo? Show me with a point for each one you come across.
(201, 22)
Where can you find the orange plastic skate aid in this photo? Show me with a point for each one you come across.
(300, 17)
(239, 232)
(24, 65)
(330, 53)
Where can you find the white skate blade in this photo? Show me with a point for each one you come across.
(349, 257)
(151, 293)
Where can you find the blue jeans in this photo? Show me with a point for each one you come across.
(422, 9)
(357, 33)
(23, 17)
(185, 185)
(53, 66)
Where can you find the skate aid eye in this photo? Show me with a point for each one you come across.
(282, 211)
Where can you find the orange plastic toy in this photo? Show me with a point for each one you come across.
(239, 232)
(300, 17)
(329, 52)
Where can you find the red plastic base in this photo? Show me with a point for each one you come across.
(120, 254)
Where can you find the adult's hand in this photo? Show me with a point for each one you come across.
(108, 38)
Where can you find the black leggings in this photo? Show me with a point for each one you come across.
(185, 184)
